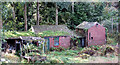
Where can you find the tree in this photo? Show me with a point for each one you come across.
(37, 23)
(52, 13)
(0, 25)
(61, 6)
(25, 15)
(13, 10)
(110, 12)
(0, 16)
(56, 7)
(72, 7)
(0, 20)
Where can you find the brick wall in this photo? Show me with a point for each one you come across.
(63, 41)
(98, 34)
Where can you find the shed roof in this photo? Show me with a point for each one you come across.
(28, 38)
(54, 28)
(86, 25)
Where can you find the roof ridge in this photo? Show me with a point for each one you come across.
(86, 24)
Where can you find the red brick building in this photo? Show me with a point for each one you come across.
(55, 40)
(93, 33)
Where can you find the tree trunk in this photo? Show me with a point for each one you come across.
(56, 13)
(25, 16)
(1, 16)
(0, 26)
(0, 21)
(119, 27)
(14, 19)
(72, 7)
(112, 25)
(37, 23)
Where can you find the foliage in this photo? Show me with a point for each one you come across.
(23, 61)
(84, 56)
(2, 35)
(51, 33)
(31, 47)
(112, 38)
(17, 53)
(83, 12)
(17, 34)
(88, 51)
(10, 58)
(65, 53)
(30, 33)
(89, 12)
(109, 49)
(75, 41)
(109, 40)
(57, 49)
(99, 50)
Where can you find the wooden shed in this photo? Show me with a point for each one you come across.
(17, 43)
(93, 33)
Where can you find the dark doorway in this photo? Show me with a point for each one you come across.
(81, 42)
(17, 47)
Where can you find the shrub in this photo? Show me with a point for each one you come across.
(109, 40)
(85, 56)
(54, 61)
(109, 49)
(57, 49)
(52, 48)
(88, 51)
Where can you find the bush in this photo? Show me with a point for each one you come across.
(88, 51)
(52, 48)
(85, 56)
(109, 40)
(54, 61)
(57, 49)
(109, 49)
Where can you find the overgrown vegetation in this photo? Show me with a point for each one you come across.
(103, 12)
(83, 11)
(57, 49)
(112, 38)
(82, 56)
(30, 33)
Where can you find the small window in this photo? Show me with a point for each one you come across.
(92, 38)
(96, 25)
(89, 35)
(56, 41)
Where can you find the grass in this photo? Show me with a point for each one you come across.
(112, 38)
(11, 58)
(66, 53)
(70, 56)
(67, 56)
